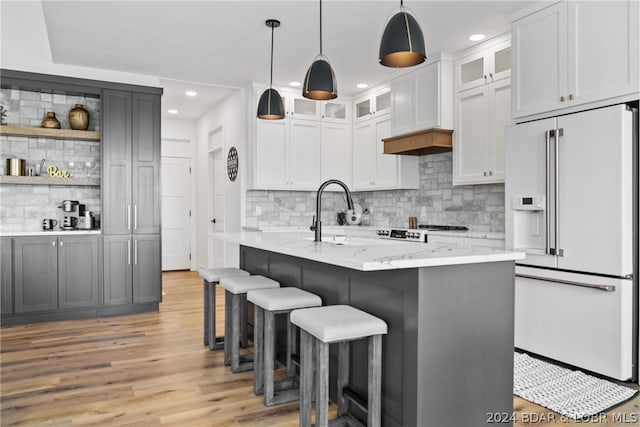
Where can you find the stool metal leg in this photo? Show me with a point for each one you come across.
(205, 300)
(235, 332)
(258, 351)
(322, 384)
(291, 345)
(375, 381)
(343, 377)
(306, 377)
(227, 327)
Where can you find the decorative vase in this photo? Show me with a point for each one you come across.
(79, 118)
(50, 121)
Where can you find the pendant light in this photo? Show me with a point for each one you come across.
(320, 81)
(402, 43)
(270, 105)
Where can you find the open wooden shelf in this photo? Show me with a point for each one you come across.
(424, 142)
(47, 180)
(84, 135)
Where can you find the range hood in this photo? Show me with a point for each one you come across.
(421, 143)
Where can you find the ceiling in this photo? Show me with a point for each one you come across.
(212, 47)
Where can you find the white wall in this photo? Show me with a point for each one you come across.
(24, 46)
(230, 114)
(179, 140)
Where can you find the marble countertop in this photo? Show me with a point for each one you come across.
(366, 254)
(47, 233)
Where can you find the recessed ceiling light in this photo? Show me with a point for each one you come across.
(172, 111)
(362, 85)
(476, 37)
(191, 93)
(295, 84)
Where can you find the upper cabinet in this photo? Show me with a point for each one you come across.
(573, 53)
(422, 99)
(313, 141)
(482, 110)
(375, 103)
(483, 67)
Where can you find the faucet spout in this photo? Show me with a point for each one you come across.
(317, 225)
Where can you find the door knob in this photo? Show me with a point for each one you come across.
(213, 220)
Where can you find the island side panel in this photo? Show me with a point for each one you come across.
(391, 295)
(465, 343)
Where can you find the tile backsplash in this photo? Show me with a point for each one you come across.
(22, 207)
(479, 207)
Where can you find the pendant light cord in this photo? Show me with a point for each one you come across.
(320, 27)
(271, 76)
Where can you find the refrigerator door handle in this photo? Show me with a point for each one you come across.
(605, 288)
(548, 249)
(556, 136)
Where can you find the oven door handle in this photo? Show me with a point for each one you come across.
(605, 288)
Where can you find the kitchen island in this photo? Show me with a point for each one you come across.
(448, 356)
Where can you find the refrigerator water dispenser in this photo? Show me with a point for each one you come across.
(529, 223)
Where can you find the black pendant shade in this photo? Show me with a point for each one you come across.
(320, 81)
(402, 42)
(270, 105)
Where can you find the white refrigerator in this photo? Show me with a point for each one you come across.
(571, 205)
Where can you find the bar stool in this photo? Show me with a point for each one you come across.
(211, 277)
(268, 303)
(321, 326)
(236, 288)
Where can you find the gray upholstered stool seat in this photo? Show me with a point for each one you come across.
(321, 326)
(268, 303)
(211, 277)
(236, 288)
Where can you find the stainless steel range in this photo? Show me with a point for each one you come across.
(416, 235)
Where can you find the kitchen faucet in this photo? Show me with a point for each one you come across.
(317, 224)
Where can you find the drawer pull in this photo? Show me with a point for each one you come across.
(605, 288)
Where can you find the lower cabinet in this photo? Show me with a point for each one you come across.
(52, 273)
(132, 269)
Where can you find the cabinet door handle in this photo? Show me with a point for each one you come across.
(135, 217)
(53, 243)
(61, 243)
(135, 252)
(128, 217)
(570, 97)
(129, 251)
(562, 99)
(485, 78)
(484, 173)
(490, 173)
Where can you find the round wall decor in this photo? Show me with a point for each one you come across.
(232, 163)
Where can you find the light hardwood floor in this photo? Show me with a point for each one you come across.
(152, 369)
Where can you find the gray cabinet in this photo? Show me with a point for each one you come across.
(35, 274)
(131, 197)
(147, 269)
(118, 276)
(131, 163)
(78, 271)
(6, 275)
(132, 269)
(54, 273)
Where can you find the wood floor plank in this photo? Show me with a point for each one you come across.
(150, 369)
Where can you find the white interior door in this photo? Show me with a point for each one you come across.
(176, 212)
(216, 208)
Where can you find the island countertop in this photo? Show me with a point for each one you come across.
(366, 254)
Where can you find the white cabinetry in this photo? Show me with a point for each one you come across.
(312, 142)
(481, 115)
(376, 102)
(575, 52)
(374, 170)
(422, 99)
(485, 66)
